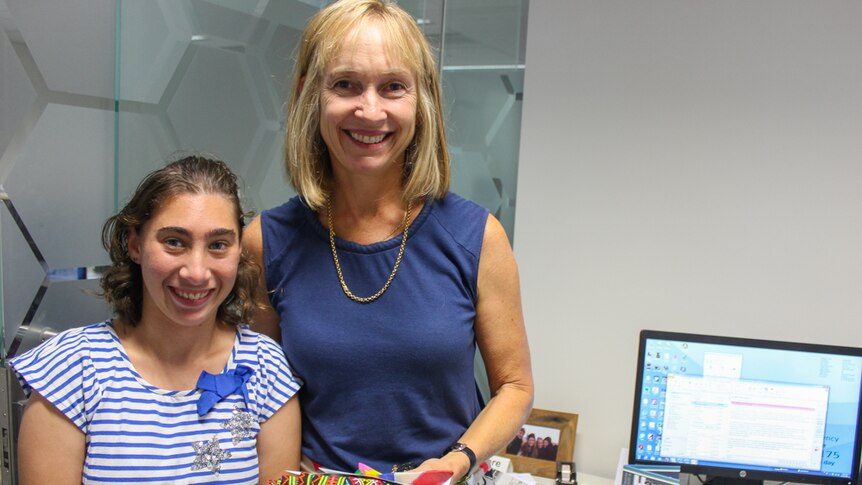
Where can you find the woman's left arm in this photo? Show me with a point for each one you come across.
(502, 341)
(278, 442)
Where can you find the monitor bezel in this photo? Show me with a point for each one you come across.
(736, 472)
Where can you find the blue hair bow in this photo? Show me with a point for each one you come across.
(215, 387)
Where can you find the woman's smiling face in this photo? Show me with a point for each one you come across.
(367, 105)
(189, 251)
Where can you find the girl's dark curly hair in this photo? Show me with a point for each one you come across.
(122, 284)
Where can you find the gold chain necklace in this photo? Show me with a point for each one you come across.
(365, 299)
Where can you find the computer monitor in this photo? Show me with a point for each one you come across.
(741, 409)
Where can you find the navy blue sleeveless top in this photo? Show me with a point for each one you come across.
(390, 381)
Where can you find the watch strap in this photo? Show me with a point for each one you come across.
(467, 451)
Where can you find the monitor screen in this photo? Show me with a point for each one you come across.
(751, 409)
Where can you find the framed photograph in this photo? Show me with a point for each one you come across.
(546, 438)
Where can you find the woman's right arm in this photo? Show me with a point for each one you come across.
(50, 447)
(266, 321)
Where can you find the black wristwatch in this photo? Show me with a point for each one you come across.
(467, 451)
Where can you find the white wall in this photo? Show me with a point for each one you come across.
(690, 166)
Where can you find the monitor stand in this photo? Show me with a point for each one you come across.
(731, 481)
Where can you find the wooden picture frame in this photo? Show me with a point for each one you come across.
(546, 425)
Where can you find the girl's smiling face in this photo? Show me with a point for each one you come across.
(188, 251)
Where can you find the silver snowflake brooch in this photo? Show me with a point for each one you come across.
(240, 425)
(209, 455)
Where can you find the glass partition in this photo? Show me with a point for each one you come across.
(483, 51)
(56, 179)
(56, 166)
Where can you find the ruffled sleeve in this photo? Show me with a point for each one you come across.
(62, 372)
(275, 381)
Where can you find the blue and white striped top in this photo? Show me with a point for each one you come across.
(136, 432)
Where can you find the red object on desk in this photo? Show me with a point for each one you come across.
(432, 478)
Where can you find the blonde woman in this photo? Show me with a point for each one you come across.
(383, 283)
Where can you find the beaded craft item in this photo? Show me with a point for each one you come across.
(305, 478)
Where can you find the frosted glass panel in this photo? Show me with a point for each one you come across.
(23, 270)
(47, 174)
(57, 196)
(69, 43)
(207, 76)
(484, 33)
(483, 77)
(56, 164)
(484, 113)
(62, 304)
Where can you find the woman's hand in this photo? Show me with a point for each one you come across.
(455, 462)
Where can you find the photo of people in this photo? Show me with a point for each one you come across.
(535, 442)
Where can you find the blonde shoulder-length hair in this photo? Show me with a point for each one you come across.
(426, 163)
